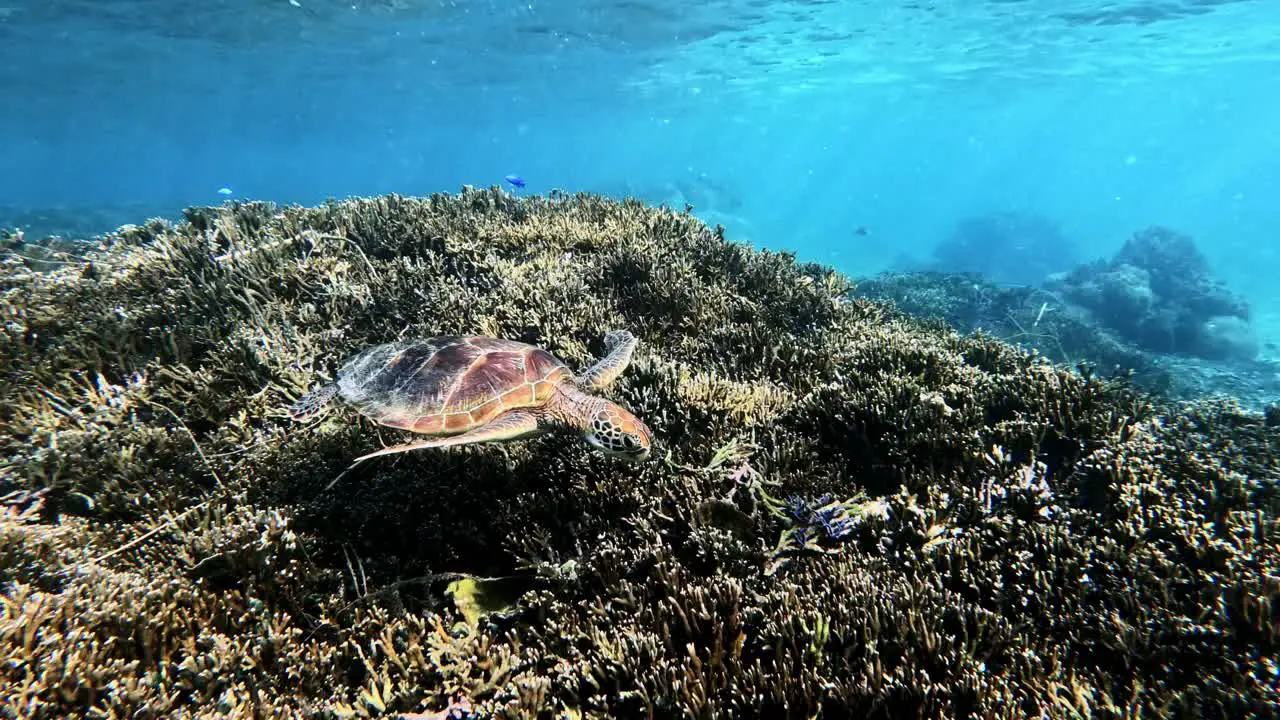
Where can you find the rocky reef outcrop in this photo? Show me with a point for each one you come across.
(1153, 311)
(856, 513)
(1158, 293)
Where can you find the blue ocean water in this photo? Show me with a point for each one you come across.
(856, 133)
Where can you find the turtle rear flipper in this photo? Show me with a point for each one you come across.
(313, 403)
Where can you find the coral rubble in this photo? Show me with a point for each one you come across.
(855, 513)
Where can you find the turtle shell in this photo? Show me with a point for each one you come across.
(449, 384)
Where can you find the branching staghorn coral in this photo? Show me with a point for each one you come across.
(171, 545)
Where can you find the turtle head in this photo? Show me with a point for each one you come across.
(615, 431)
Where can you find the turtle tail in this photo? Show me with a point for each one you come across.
(313, 403)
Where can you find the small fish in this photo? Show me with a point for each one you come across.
(515, 180)
(862, 231)
(224, 191)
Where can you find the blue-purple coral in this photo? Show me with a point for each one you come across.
(824, 513)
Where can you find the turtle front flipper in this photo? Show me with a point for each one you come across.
(512, 426)
(619, 345)
(313, 403)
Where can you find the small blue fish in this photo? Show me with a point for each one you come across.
(515, 180)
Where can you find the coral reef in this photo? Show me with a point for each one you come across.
(77, 222)
(1032, 317)
(856, 513)
(1158, 293)
(1052, 323)
(17, 245)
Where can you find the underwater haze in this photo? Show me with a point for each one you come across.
(654, 359)
(860, 134)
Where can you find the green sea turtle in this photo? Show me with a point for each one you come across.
(462, 390)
